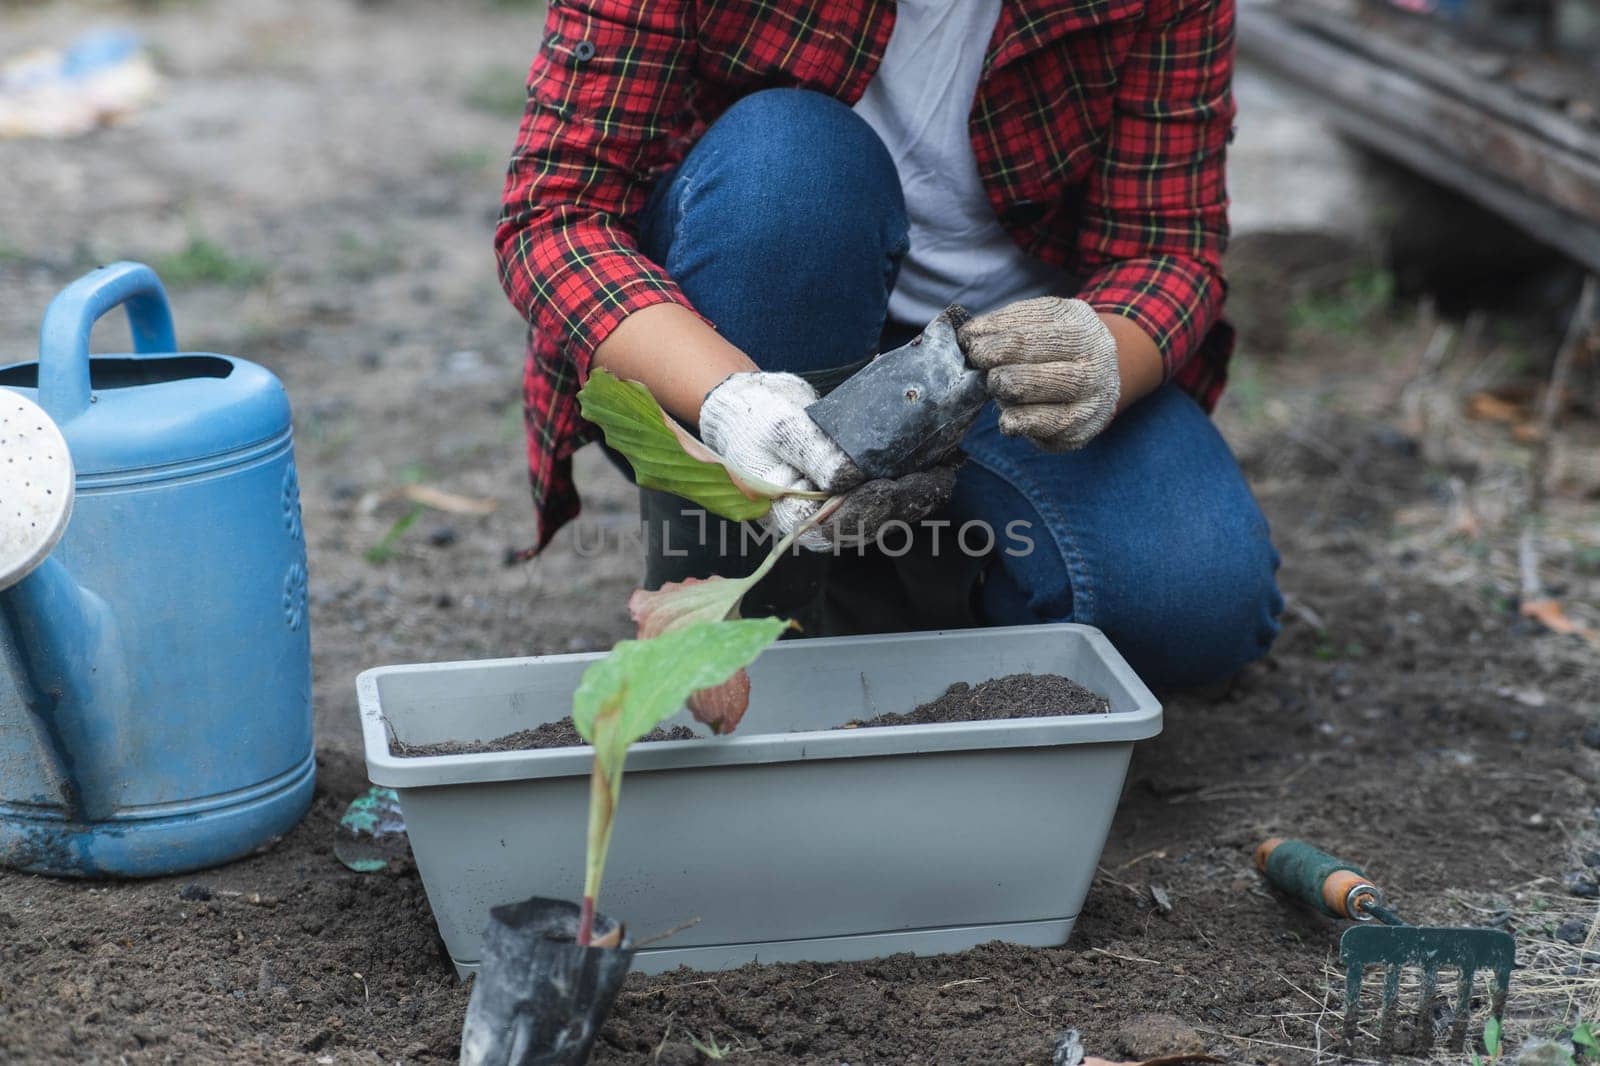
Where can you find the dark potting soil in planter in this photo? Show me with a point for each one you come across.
(1014, 696)
(558, 734)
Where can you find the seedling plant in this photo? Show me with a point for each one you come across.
(692, 645)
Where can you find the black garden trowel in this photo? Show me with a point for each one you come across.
(908, 408)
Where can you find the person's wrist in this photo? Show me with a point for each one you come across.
(706, 378)
(674, 353)
(1140, 367)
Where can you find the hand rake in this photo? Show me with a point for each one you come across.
(1341, 890)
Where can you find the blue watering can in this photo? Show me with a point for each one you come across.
(155, 656)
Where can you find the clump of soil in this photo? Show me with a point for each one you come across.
(1149, 1036)
(1013, 696)
(561, 733)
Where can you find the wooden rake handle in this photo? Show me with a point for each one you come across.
(1336, 888)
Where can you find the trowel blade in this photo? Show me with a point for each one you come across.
(909, 407)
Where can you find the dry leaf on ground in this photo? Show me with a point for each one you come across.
(449, 502)
(1487, 407)
(1165, 1060)
(1550, 614)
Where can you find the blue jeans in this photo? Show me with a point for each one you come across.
(785, 226)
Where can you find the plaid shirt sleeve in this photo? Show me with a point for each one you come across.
(1155, 214)
(609, 77)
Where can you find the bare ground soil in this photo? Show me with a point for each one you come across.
(319, 183)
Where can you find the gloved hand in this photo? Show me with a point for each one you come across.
(1052, 365)
(757, 421)
(867, 509)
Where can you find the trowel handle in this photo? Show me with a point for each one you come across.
(1336, 888)
(70, 319)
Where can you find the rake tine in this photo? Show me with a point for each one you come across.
(1458, 1028)
(1424, 1023)
(1502, 985)
(1391, 995)
(1352, 1006)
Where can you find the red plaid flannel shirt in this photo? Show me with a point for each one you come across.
(1099, 129)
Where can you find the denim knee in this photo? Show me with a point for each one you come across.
(784, 225)
(797, 170)
(1215, 616)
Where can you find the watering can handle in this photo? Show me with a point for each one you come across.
(70, 319)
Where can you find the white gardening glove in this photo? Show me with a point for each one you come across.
(757, 421)
(1052, 365)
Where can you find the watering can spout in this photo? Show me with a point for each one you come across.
(70, 667)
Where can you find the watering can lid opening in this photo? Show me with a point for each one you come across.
(36, 486)
(154, 413)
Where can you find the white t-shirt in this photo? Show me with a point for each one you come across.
(918, 104)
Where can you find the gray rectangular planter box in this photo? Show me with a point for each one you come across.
(789, 839)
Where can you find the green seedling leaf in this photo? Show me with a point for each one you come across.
(642, 682)
(1584, 1036)
(631, 691)
(1491, 1037)
(666, 456)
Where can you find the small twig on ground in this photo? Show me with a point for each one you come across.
(656, 1055)
(673, 988)
(1440, 342)
(253, 898)
(967, 981)
(1156, 853)
(1580, 328)
(674, 931)
(1441, 339)
(1124, 958)
(1219, 793)
(1528, 565)
(1304, 611)
(1342, 464)
(1105, 875)
(1234, 1037)
(449, 502)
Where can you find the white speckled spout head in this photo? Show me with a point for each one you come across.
(36, 486)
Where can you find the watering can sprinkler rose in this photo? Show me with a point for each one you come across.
(155, 667)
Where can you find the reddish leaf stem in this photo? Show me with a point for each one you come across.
(586, 922)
